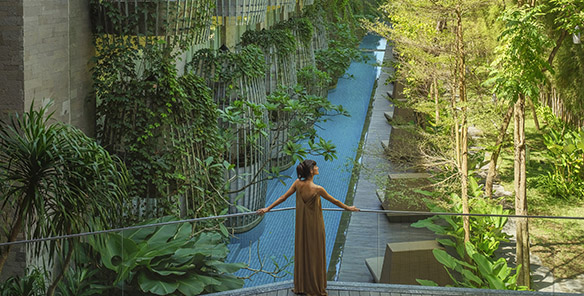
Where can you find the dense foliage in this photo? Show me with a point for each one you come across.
(565, 150)
(342, 49)
(163, 260)
(281, 39)
(512, 51)
(158, 123)
(316, 82)
(55, 181)
(484, 269)
(302, 27)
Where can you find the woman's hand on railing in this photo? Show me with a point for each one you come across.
(353, 209)
(262, 211)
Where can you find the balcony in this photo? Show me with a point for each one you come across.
(180, 18)
(240, 12)
(370, 289)
(127, 251)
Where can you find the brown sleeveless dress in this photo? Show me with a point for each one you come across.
(309, 247)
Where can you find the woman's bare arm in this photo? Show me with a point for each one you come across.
(280, 199)
(322, 192)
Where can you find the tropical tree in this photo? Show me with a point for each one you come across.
(437, 58)
(56, 181)
(518, 72)
(560, 19)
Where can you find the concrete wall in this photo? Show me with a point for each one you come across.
(11, 57)
(57, 50)
(45, 48)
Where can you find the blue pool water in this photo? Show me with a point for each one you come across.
(275, 234)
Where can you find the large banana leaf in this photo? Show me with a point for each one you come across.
(167, 260)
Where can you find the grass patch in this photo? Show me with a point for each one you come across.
(558, 243)
(405, 195)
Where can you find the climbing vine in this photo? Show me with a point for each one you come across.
(142, 23)
(154, 120)
(158, 123)
(342, 49)
(301, 26)
(315, 82)
(226, 66)
(282, 39)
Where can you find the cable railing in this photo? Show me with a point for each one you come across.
(371, 249)
(416, 213)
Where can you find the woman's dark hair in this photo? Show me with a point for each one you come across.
(304, 168)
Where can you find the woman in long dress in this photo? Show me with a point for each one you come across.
(309, 246)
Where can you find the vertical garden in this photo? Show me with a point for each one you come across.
(175, 139)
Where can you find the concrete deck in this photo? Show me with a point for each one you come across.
(364, 289)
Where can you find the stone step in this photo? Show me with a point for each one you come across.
(385, 144)
(388, 115)
(380, 195)
(394, 176)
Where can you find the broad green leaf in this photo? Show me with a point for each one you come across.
(162, 235)
(184, 232)
(494, 282)
(190, 286)
(114, 248)
(167, 272)
(427, 283)
(471, 277)
(483, 263)
(446, 242)
(156, 286)
(444, 258)
(223, 230)
(228, 282)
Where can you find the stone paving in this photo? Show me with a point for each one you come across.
(368, 234)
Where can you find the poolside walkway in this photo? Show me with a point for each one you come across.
(368, 234)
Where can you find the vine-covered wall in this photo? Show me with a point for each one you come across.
(279, 47)
(302, 30)
(157, 95)
(156, 120)
(237, 79)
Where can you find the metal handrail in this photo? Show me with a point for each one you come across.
(35, 240)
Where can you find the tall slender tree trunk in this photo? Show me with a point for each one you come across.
(464, 128)
(495, 155)
(522, 230)
(455, 126)
(436, 103)
(535, 120)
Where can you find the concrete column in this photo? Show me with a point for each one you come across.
(45, 48)
(11, 57)
(57, 51)
(229, 36)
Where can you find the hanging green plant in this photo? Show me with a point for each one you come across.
(227, 66)
(146, 22)
(158, 123)
(302, 26)
(315, 82)
(281, 39)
